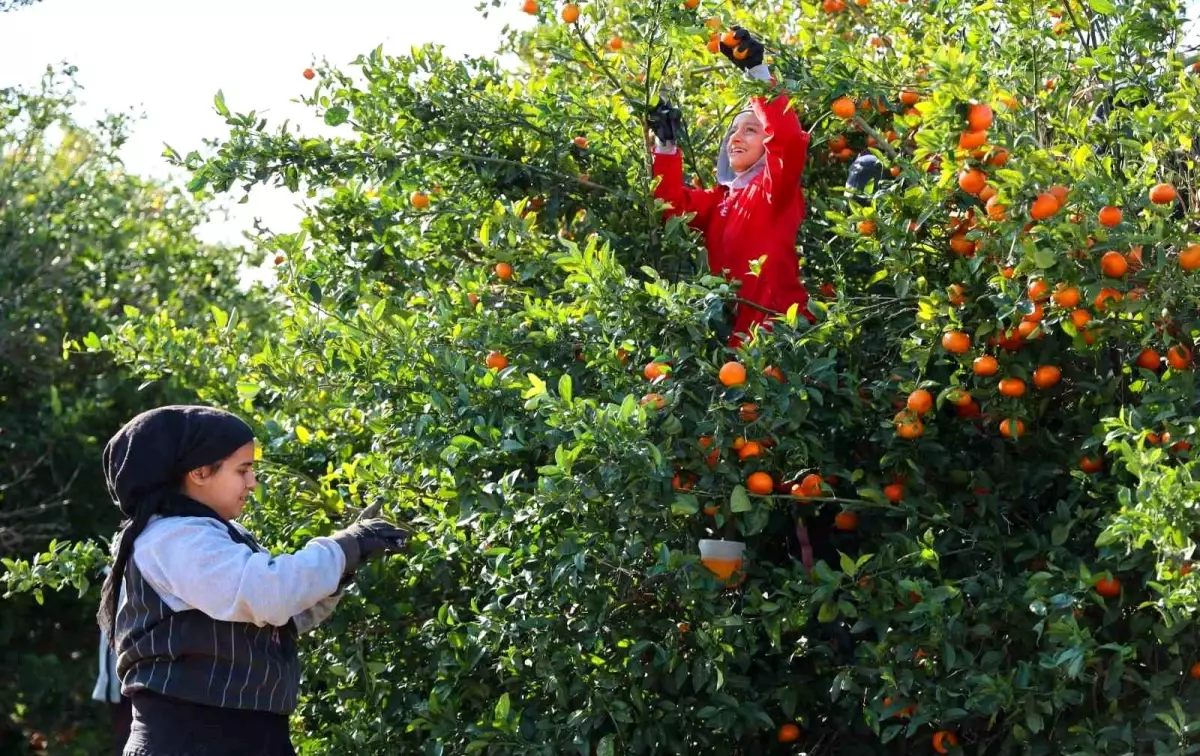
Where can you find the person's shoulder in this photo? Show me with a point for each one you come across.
(163, 529)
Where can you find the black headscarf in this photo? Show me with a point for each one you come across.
(144, 466)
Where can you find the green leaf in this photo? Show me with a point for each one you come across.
(537, 387)
(220, 317)
(564, 387)
(739, 501)
(1103, 7)
(302, 434)
(219, 103)
(828, 612)
(685, 504)
(848, 565)
(336, 116)
(1059, 534)
(503, 706)
(1044, 258)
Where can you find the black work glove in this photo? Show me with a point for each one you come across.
(665, 121)
(865, 169)
(746, 53)
(368, 539)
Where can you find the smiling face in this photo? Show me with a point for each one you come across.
(223, 487)
(745, 142)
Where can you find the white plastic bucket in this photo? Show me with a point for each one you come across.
(722, 558)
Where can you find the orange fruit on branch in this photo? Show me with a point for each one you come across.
(1013, 387)
(1189, 259)
(1105, 296)
(909, 98)
(655, 401)
(979, 117)
(749, 450)
(920, 401)
(1045, 206)
(760, 483)
(972, 181)
(530, 7)
(1149, 359)
(419, 200)
(1091, 464)
(1110, 216)
(1010, 428)
(844, 107)
(944, 740)
(504, 271)
(1038, 290)
(985, 366)
(1066, 297)
(995, 210)
(1108, 587)
(956, 342)
(909, 426)
(846, 521)
(961, 245)
(655, 370)
(1113, 264)
(309, 74)
(1179, 357)
(808, 488)
(748, 412)
(773, 372)
(971, 139)
(683, 481)
(732, 374)
(1163, 194)
(1080, 317)
(894, 492)
(866, 227)
(1047, 376)
(788, 733)
(570, 13)
(496, 361)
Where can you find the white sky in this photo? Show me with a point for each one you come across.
(166, 59)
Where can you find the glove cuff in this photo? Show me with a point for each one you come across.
(350, 547)
(760, 72)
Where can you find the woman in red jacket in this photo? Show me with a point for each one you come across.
(756, 209)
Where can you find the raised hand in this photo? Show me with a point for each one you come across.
(742, 48)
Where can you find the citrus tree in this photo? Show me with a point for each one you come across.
(986, 432)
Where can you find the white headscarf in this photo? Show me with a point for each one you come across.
(725, 173)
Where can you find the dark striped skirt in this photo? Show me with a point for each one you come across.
(165, 726)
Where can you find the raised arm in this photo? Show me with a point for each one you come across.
(786, 143)
(683, 199)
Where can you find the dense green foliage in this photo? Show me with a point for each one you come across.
(82, 244)
(554, 600)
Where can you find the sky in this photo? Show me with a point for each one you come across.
(166, 59)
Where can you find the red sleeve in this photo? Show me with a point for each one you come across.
(683, 199)
(786, 144)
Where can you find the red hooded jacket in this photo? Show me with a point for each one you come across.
(757, 220)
